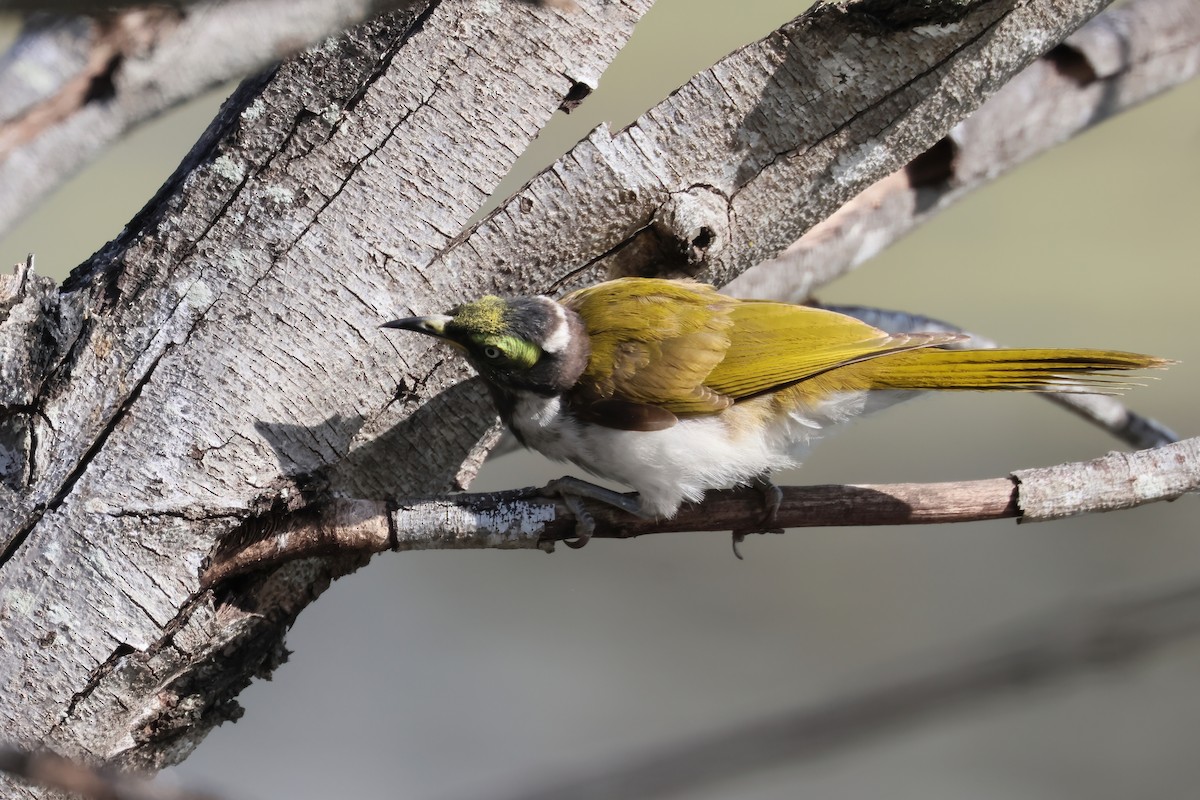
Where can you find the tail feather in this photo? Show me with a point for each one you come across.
(1033, 370)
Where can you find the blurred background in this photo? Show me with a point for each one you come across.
(466, 675)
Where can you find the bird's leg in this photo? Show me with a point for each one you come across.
(772, 497)
(572, 490)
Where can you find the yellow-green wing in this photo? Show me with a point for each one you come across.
(777, 344)
(653, 342)
(663, 348)
(683, 347)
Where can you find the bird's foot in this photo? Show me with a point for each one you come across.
(572, 491)
(772, 497)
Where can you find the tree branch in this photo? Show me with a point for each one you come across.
(219, 362)
(1123, 57)
(263, 255)
(51, 771)
(521, 519)
(89, 82)
(748, 155)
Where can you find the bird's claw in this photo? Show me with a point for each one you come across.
(738, 537)
(772, 497)
(572, 491)
(585, 523)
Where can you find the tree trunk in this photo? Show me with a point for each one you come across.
(193, 374)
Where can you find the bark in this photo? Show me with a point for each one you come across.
(747, 156)
(1118, 60)
(72, 86)
(218, 366)
(186, 378)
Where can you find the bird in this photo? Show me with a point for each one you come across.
(674, 389)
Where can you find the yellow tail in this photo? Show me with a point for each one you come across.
(1026, 369)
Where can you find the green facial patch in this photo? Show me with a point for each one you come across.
(510, 351)
(482, 327)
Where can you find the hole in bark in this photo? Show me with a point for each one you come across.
(575, 95)
(656, 254)
(704, 238)
(103, 86)
(120, 651)
(934, 167)
(1071, 63)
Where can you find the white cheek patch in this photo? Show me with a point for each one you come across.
(560, 335)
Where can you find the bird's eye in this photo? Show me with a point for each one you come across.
(491, 352)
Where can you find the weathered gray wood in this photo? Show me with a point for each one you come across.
(1123, 57)
(225, 352)
(71, 87)
(225, 364)
(1118, 480)
(748, 155)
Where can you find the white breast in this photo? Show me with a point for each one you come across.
(681, 463)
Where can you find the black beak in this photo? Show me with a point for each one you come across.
(433, 325)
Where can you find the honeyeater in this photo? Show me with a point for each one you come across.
(671, 388)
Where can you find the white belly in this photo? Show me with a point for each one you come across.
(681, 463)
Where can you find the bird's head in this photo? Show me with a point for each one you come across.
(526, 343)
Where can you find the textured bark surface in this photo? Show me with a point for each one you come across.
(1118, 480)
(222, 353)
(1123, 57)
(748, 155)
(219, 363)
(71, 87)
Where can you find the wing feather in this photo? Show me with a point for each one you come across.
(653, 341)
(773, 345)
(682, 346)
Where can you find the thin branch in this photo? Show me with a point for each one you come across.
(1123, 57)
(1028, 658)
(52, 771)
(522, 519)
(277, 248)
(89, 80)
